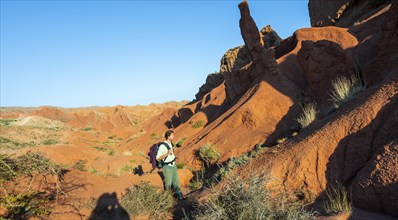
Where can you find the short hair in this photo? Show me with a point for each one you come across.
(168, 133)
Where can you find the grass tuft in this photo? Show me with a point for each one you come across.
(344, 89)
(308, 115)
(338, 200)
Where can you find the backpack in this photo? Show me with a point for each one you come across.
(153, 151)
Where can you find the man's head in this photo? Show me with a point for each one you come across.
(169, 135)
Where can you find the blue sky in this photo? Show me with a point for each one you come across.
(106, 53)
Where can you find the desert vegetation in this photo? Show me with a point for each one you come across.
(208, 153)
(236, 162)
(181, 142)
(198, 124)
(146, 199)
(345, 89)
(239, 198)
(308, 115)
(24, 199)
(338, 200)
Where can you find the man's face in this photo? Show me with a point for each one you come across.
(171, 137)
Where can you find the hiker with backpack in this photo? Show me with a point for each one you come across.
(166, 158)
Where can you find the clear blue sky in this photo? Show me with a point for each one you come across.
(105, 53)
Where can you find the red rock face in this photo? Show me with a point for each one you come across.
(356, 145)
(262, 60)
(341, 13)
(323, 60)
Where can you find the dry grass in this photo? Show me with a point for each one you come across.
(308, 115)
(344, 89)
(338, 201)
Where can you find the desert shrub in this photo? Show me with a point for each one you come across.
(235, 162)
(155, 136)
(345, 89)
(208, 153)
(26, 202)
(7, 143)
(281, 140)
(198, 124)
(28, 164)
(50, 142)
(240, 198)
(25, 205)
(127, 168)
(231, 165)
(180, 142)
(93, 171)
(8, 168)
(6, 122)
(111, 152)
(87, 129)
(308, 115)
(100, 148)
(80, 165)
(144, 199)
(337, 200)
(197, 181)
(180, 165)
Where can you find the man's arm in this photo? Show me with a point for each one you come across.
(163, 156)
(162, 153)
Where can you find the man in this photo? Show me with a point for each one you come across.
(166, 157)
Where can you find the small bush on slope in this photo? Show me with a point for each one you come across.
(198, 124)
(308, 115)
(345, 89)
(246, 199)
(233, 162)
(144, 199)
(338, 201)
(208, 153)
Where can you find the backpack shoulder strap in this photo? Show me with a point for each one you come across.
(166, 145)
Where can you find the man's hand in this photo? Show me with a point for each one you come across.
(164, 155)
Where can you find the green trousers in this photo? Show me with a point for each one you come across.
(171, 179)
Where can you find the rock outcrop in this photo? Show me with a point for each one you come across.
(270, 37)
(261, 59)
(234, 59)
(341, 13)
(212, 81)
(356, 145)
(325, 54)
